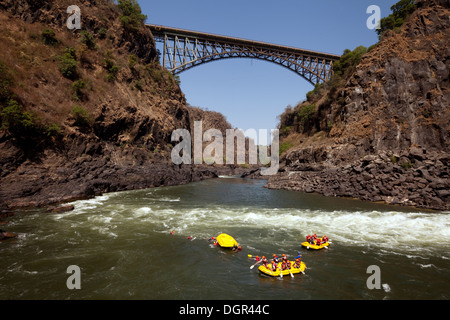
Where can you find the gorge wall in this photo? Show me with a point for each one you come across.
(86, 111)
(383, 133)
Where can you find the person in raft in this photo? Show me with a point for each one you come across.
(297, 263)
(310, 239)
(315, 240)
(284, 258)
(275, 259)
(274, 266)
(264, 261)
(287, 265)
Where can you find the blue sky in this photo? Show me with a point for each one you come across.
(251, 93)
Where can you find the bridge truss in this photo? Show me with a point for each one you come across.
(185, 49)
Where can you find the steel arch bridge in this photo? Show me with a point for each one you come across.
(184, 49)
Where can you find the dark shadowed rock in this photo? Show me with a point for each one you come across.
(61, 209)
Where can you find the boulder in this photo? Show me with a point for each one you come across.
(61, 209)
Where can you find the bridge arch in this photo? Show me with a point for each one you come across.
(185, 49)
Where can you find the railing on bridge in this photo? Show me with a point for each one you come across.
(184, 49)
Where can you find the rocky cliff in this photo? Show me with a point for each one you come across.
(84, 111)
(383, 133)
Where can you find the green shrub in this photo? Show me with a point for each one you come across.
(70, 52)
(111, 68)
(400, 11)
(310, 96)
(132, 18)
(348, 60)
(48, 37)
(306, 113)
(17, 121)
(102, 33)
(132, 61)
(77, 88)
(177, 79)
(52, 129)
(285, 130)
(82, 117)
(394, 159)
(407, 165)
(284, 147)
(68, 64)
(6, 81)
(88, 39)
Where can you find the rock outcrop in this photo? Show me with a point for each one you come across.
(386, 134)
(111, 122)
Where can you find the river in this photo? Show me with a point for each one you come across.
(125, 248)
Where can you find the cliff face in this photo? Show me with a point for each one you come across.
(85, 111)
(385, 135)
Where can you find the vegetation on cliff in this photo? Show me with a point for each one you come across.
(48, 71)
(132, 18)
(400, 11)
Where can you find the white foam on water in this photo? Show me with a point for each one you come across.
(142, 212)
(105, 231)
(84, 206)
(407, 233)
(388, 230)
(167, 199)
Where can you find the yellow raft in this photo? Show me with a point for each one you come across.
(226, 241)
(314, 246)
(268, 271)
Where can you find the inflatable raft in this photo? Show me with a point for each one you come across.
(314, 246)
(268, 271)
(226, 241)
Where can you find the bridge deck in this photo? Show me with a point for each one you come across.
(158, 30)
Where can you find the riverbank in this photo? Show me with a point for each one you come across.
(414, 179)
(93, 176)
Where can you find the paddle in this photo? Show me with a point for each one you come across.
(301, 269)
(291, 273)
(255, 264)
